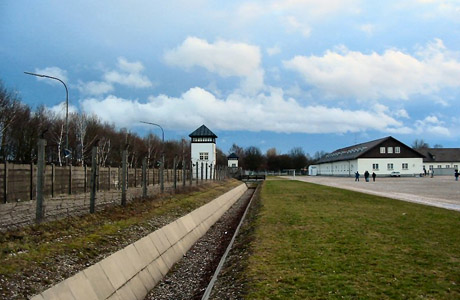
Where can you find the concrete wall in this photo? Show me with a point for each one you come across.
(133, 271)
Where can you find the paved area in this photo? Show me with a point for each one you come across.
(441, 191)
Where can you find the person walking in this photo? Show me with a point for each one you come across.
(373, 176)
(366, 176)
(357, 176)
(456, 174)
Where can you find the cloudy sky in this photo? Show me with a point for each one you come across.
(318, 74)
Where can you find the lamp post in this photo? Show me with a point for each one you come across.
(66, 108)
(162, 187)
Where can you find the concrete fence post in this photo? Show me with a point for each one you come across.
(144, 177)
(93, 183)
(5, 182)
(31, 185)
(210, 172)
(202, 170)
(196, 173)
(184, 176)
(70, 179)
(123, 177)
(40, 180)
(206, 177)
(53, 178)
(175, 172)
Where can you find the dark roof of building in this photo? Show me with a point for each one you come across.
(441, 154)
(233, 155)
(356, 151)
(203, 131)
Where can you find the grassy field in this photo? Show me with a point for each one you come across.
(317, 242)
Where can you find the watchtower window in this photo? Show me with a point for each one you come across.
(204, 155)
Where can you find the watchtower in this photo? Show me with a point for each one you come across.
(232, 160)
(203, 151)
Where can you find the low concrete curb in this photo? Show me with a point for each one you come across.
(133, 271)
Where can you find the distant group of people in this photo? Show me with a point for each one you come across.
(430, 173)
(366, 176)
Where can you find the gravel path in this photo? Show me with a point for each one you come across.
(190, 276)
(439, 191)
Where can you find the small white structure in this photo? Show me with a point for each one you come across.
(203, 152)
(232, 160)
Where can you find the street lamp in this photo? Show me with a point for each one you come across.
(66, 150)
(162, 187)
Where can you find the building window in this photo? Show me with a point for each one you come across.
(382, 150)
(390, 166)
(397, 149)
(204, 155)
(447, 166)
(405, 166)
(439, 166)
(431, 167)
(375, 167)
(456, 167)
(390, 150)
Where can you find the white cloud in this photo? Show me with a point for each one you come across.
(95, 87)
(391, 75)
(270, 112)
(222, 57)
(295, 25)
(129, 74)
(53, 72)
(431, 125)
(59, 109)
(273, 50)
(309, 9)
(367, 28)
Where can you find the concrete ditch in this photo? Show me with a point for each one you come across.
(133, 271)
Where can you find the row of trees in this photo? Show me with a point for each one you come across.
(20, 129)
(251, 158)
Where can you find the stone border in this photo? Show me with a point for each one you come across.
(134, 270)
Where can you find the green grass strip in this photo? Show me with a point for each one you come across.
(316, 242)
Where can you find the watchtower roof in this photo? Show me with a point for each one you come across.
(202, 131)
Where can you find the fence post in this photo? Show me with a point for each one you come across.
(123, 177)
(184, 177)
(206, 177)
(196, 173)
(202, 170)
(31, 180)
(70, 179)
(108, 178)
(144, 177)
(5, 182)
(93, 183)
(53, 178)
(210, 172)
(191, 173)
(162, 168)
(175, 173)
(40, 180)
(135, 176)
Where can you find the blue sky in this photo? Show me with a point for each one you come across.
(316, 74)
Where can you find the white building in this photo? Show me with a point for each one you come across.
(232, 160)
(444, 161)
(382, 157)
(203, 152)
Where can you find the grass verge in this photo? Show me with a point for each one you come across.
(35, 257)
(316, 242)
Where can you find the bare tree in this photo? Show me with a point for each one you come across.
(420, 144)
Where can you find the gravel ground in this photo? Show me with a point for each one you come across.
(190, 276)
(439, 191)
